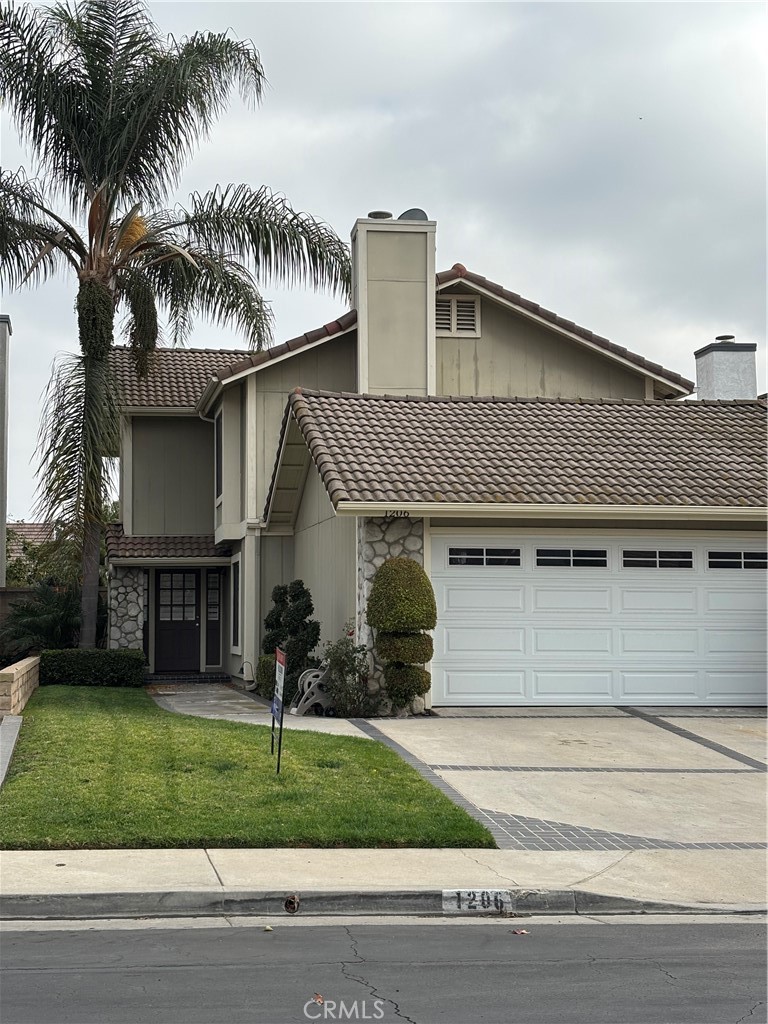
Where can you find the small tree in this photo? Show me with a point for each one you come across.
(400, 606)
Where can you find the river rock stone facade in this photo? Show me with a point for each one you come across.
(126, 608)
(377, 540)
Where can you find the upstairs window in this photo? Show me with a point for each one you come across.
(219, 455)
(573, 558)
(457, 316)
(738, 559)
(657, 559)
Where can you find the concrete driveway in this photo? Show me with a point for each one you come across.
(577, 779)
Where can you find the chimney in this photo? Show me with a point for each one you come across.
(726, 370)
(393, 290)
(5, 334)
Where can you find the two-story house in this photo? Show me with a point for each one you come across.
(591, 538)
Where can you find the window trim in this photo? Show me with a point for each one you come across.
(733, 568)
(657, 552)
(218, 455)
(483, 550)
(236, 620)
(604, 552)
(454, 332)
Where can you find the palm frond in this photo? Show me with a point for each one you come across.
(140, 328)
(283, 245)
(80, 427)
(213, 286)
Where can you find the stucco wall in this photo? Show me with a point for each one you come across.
(517, 358)
(172, 476)
(324, 557)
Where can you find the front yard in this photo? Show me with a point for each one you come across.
(106, 768)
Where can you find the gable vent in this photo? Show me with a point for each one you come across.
(457, 316)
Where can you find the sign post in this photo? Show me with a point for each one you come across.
(277, 704)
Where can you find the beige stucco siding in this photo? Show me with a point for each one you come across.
(517, 358)
(276, 567)
(324, 557)
(329, 367)
(172, 476)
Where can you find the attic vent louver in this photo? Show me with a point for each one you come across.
(457, 316)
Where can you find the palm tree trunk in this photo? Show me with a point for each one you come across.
(89, 597)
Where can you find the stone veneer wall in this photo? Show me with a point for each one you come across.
(377, 540)
(126, 608)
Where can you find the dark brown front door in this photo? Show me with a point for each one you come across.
(177, 627)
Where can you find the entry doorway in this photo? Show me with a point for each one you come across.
(177, 620)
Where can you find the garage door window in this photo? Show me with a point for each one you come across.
(595, 558)
(737, 560)
(657, 559)
(484, 556)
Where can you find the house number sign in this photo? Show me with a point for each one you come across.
(477, 901)
(397, 514)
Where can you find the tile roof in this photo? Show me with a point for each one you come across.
(27, 533)
(535, 451)
(199, 546)
(178, 377)
(459, 272)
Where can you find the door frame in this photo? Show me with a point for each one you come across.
(155, 614)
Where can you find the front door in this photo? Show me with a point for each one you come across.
(177, 627)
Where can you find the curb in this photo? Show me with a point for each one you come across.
(394, 903)
(10, 726)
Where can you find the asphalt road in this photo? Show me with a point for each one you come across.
(438, 974)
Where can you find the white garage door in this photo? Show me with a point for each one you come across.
(586, 619)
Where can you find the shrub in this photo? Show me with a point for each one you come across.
(92, 667)
(48, 619)
(404, 682)
(409, 648)
(288, 625)
(265, 676)
(401, 598)
(275, 632)
(348, 676)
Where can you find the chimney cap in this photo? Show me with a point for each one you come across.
(725, 337)
(380, 215)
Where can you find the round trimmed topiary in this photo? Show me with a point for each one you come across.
(404, 682)
(401, 598)
(413, 648)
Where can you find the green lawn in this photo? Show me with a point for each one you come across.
(105, 768)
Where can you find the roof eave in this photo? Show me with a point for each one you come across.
(502, 510)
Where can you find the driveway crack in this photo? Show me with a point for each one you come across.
(761, 1003)
(602, 871)
(504, 878)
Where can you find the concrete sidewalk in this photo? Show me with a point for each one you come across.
(115, 883)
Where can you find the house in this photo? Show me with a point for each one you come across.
(591, 538)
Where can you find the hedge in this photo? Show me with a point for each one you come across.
(401, 598)
(265, 676)
(92, 667)
(414, 648)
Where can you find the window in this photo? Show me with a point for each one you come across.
(484, 556)
(236, 606)
(738, 559)
(586, 558)
(213, 617)
(219, 455)
(178, 597)
(657, 559)
(457, 316)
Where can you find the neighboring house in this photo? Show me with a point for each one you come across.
(590, 539)
(22, 536)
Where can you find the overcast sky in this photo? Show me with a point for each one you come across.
(603, 159)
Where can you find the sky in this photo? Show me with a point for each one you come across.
(606, 160)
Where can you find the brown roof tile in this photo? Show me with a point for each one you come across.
(20, 534)
(459, 273)
(176, 379)
(199, 546)
(531, 451)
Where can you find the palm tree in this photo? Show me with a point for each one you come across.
(112, 112)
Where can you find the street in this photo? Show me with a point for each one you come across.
(695, 971)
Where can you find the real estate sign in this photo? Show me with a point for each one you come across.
(277, 703)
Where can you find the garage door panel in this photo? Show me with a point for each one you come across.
(735, 687)
(470, 597)
(483, 686)
(735, 641)
(731, 600)
(550, 686)
(565, 642)
(659, 686)
(481, 641)
(654, 640)
(571, 599)
(647, 599)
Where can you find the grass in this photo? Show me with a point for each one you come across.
(106, 768)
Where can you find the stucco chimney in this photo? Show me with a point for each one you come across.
(726, 370)
(393, 290)
(5, 334)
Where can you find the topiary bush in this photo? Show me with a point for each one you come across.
(401, 598)
(289, 626)
(92, 667)
(275, 633)
(400, 606)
